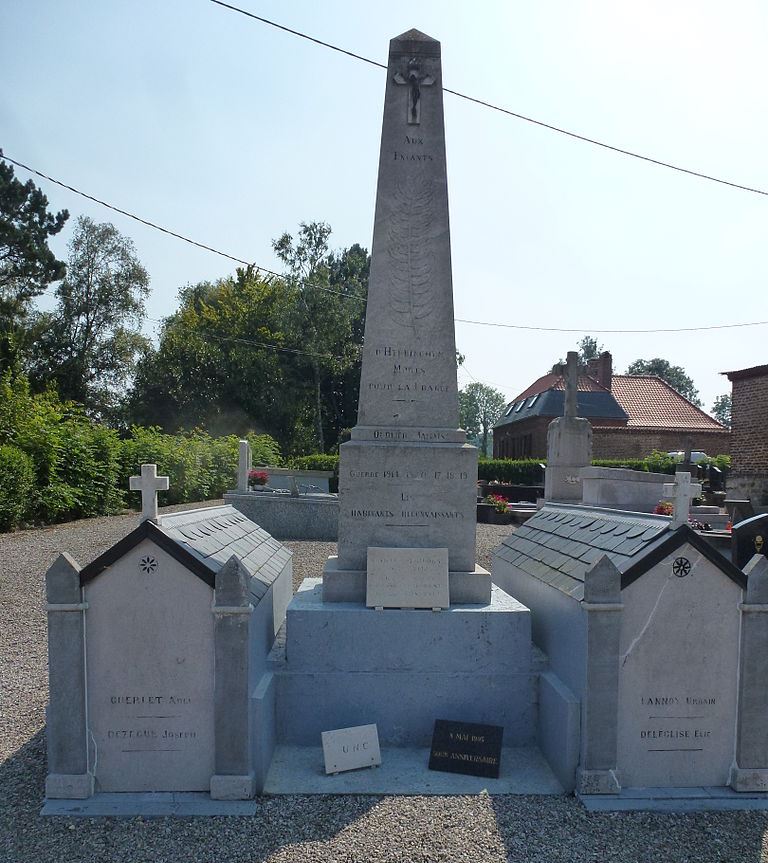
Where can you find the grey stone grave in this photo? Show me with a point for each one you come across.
(569, 442)
(657, 678)
(294, 504)
(407, 492)
(157, 656)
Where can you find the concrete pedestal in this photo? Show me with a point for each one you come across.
(344, 664)
(349, 585)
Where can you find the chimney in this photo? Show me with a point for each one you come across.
(601, 369)
(605, 369)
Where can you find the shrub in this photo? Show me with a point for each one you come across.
(526, 471)
(200, 467)
(75, 460)
(17, 485)
(318, 461)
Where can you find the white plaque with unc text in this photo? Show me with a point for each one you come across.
(351, 748)
(407, 578)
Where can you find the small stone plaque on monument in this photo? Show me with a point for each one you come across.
(466, 747)
(407, 578)
(351, 748)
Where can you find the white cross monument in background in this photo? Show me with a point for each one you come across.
(149, 484)
(681, 491)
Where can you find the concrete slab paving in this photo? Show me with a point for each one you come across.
(154, 805)
(697, 799)
(300, 770)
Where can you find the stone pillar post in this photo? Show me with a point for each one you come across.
(751, 770)
(600, 699)
(234, 778)
(243, 466)
(67, 732)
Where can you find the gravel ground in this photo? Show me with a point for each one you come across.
(298, 828)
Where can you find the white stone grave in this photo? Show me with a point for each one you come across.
(657, 680)
(155, 652)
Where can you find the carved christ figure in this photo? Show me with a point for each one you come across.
(415, 80)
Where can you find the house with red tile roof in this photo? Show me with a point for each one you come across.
(631, 416)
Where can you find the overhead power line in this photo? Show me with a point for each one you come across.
(482, 102)
(161, 228)
(621, 332)
(348, 295)
(131, 215)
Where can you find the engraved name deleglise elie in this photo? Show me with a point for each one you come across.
(678, 732)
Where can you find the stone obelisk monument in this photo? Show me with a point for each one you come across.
(407, 478)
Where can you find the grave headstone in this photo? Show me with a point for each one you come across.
(243, 465)
(569, 442)
(645, 627)
(748, 538)
(155, 648)
(407, 477)
(149, 483)
(681, 491)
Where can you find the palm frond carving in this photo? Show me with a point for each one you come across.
(411, 259)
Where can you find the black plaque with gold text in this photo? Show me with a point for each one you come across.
(466, 747)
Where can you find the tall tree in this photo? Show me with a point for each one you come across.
(90, 342)
(479, 408)
(27, 265)
(589, 349)
(675, 376)
(223, 362)
(721, 409)
(326, 319)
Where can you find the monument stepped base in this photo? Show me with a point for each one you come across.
(343, 664)
(348, 585)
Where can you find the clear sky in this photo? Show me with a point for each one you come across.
(231, 132)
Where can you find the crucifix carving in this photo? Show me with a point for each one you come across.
(415, 81)
(149, 483)
(682, 491)
(572, 385)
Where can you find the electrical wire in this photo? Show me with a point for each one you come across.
(348, 295)
(482, 102)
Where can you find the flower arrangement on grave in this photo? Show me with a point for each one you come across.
(258, 477)
(498, 502)
(664, 507)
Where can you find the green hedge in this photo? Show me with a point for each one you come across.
(17, 483)
(514, 471)
(57, 464)
(75, 461)
(200, 467)
(318, 462)
(524, 471)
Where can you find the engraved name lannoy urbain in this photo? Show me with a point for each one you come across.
(407, 476)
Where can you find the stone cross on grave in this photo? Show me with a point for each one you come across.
(682, 491)
(572, 385)
(149, 484)
(415, 80)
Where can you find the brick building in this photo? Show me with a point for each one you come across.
(749, 435)
(631, 415)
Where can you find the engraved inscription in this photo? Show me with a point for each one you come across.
(677, 723)
(152, 723)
